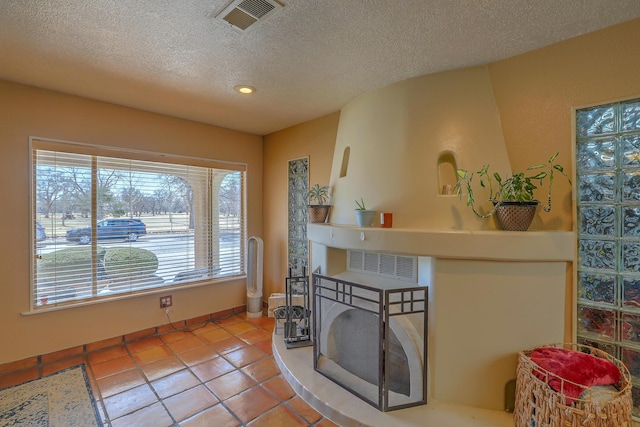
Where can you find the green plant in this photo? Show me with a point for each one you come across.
(360, 204)
(519, 187)
(69, 266)
(124, 263)
(319, 194)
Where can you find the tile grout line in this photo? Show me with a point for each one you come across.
(138, 368)
(160, 332)
(201, 382)
(100, 402)
(148, 383)
(239, 369)
(264, 388)
(187, 367)
(124, 343)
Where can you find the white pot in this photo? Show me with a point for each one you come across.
(365, 218)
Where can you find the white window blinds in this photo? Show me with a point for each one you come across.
(109, 222)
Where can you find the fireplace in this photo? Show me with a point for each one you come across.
(490, 293)
(371, 338)
(482, 307)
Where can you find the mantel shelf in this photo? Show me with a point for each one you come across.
(495, 245)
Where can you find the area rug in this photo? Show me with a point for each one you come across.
(63, 399)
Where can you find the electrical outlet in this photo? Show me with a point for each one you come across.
(166, 301)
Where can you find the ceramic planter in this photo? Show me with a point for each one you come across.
(318, 213)
(365, 217)
(516, 216)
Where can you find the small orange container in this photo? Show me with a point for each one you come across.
(386, 219)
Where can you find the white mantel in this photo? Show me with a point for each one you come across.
(498, 245)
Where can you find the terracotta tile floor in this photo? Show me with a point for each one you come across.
(217, 373)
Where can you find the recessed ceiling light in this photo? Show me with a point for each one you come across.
(244, 89)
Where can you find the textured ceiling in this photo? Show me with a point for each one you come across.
(307, 60)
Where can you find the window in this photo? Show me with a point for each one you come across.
(298, 260)
(608, 210)
(112, 222)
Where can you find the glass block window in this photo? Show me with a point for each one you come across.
(298, 257)
(608, 216)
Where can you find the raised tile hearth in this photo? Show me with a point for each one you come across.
(347, 410)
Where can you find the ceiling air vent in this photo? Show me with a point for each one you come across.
(242, 14)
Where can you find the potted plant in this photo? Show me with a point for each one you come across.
(363, 215)
(318, 211)
(513, 198)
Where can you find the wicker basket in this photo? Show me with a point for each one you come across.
(539, 405)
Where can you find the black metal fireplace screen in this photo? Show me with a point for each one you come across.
(372, 341)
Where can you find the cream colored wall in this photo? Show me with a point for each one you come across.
(537, 92)
(525, 104)
(396, 135)
(315, 139)
(484, 312)
(28, 111)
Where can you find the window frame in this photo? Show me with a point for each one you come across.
(48, 144)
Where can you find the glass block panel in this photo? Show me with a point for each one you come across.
(631, 257)
(298, 185)
(631, 222)
(630, 328)
(597, 254)
(597, 187)
(608, 347)
(597, 154)
(608, 215)
(631, 115)
(596, 121)
(596, 322)
(630, 151)
(299, 167)
(631, 359)
(598, 288)
(597, 220)
(297, 232)
(631, 186)
(631, 292)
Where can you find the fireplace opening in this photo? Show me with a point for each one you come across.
(371, 338)
(351, 346)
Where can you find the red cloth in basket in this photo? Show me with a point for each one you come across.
(573, 367)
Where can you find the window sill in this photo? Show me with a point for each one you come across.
(154, 291)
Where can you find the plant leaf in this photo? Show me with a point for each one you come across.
(540, 175)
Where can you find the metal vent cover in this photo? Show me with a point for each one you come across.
(356, 260)
(399, 267)
(242, 14)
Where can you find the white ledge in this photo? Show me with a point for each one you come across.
(495, 245)
(346, 410)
